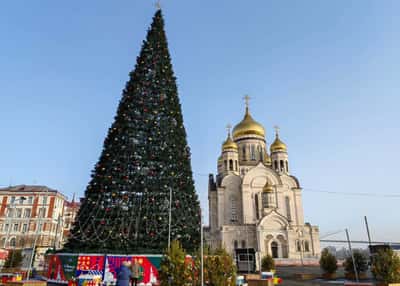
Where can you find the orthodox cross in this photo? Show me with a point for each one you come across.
(276, 127)
(158, 4)
(228, 127)
(246, 100)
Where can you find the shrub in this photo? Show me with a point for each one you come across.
(361, 262)
(14, 259)
(267, 263)
(328, 262)
(173, 269)
(219, 269)
(386, 266)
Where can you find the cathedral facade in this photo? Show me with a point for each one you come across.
(254, 201)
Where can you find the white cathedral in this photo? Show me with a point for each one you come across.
(254, 201)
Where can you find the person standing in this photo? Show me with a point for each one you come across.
(136, 272)
(124, 274)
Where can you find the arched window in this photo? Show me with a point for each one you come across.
(253, 153)
(306, 246)
(298, 245)
(231, 165)
(287, 166)
(13, 242)
(281, 166)
(288, 213)
(274, 249)
(276, 165)
(244, 152)
(234, 216)
(236, 165)
(243, 244)
(260, 152)
(235, 244)
(3, 242)
(265, 202)
(256, 206)
(225, 165)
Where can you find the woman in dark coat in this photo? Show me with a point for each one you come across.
(124, 274)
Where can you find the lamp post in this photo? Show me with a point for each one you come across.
(169, 218)
(301, 246)
(59, 222)
(38, 230)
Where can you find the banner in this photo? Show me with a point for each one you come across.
(149, 266)
(63, 267)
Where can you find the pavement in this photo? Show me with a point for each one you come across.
(287, 274)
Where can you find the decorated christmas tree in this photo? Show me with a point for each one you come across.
(145, 157)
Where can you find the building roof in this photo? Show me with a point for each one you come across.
(30, 189)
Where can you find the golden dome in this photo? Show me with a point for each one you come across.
(278, 145)
(267, 188)
(229, 144)
(267, 159)
(248, 126)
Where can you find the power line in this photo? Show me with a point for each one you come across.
(353, 193)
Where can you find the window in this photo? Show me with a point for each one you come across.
(24, 227)
(306, 246)
(13, 242)
(16, 227)
(225, 165)
(12, 199)
(42, 212)
(6, 227)
(287, 166)
(235, 244)
(45, 200)
(253, 153)
(21, 200)
(265, 201)
(234, 216)
(298, 245)
(230, 165)
(27, 213)
(276, 165)
(288, 213)
(236, 165)
(243, 244)
(244, 152)
(19, 213)
(261, 153)
(281, 165)
(256, 206)
(40, 226)
(30, 200)
(10, 213)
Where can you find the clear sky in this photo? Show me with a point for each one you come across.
(327, 72)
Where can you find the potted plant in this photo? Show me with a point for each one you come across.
(361, 262)
(386, 267)
(328, 264)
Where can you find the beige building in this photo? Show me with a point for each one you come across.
(255, 202)
(34, 215)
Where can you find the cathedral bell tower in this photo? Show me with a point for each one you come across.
(228, 162)
(279, 155)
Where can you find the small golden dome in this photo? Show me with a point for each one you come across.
(229, 144)
(248, 126)
(268, 188)
(278, 145)
(267, 159)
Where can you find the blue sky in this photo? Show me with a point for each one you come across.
(325, 71)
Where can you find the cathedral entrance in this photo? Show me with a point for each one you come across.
(274, 249)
